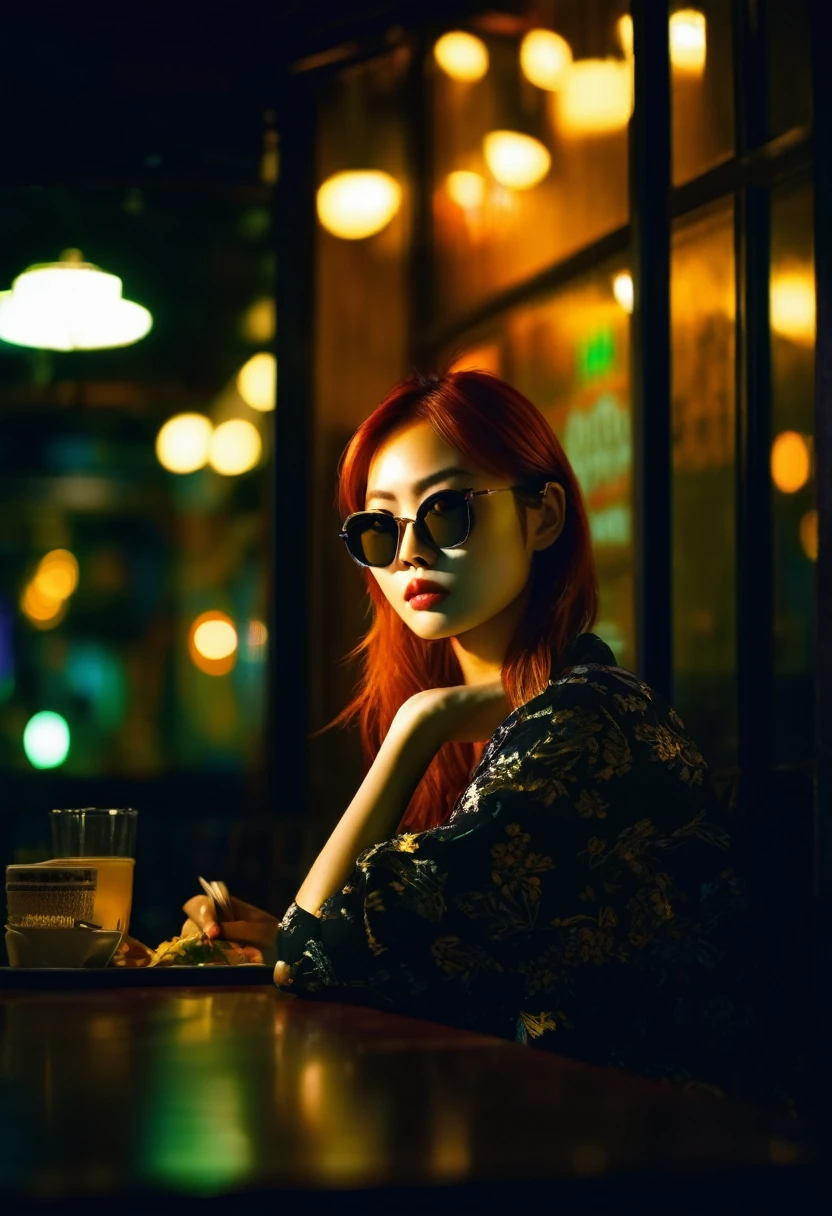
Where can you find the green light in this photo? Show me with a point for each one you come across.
(46, 739)
(596, 355)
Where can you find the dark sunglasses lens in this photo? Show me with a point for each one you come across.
(373, 539)
(446, 519)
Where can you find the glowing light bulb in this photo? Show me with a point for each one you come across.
(596, 97)
(688, 41)
(624, 30)
(184, 442)
(622, 289)
(235, 447)
(256, 381)
(790, 462)
(515, 160)
(809, 535)
(46, 739)
(70, 305)
(358, 203)
(461, 56)
(792, 305)
(466, 189)
(544, 57)
(213, 643)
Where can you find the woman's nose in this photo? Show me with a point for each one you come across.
(414, 550)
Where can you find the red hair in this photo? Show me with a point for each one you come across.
(499, 429)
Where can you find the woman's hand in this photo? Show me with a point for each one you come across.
(461, 713)
(250, 927)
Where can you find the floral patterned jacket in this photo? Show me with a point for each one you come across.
(581, 896)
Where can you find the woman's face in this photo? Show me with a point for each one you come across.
(486, 574)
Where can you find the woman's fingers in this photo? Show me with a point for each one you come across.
(200, 910)
(282, 973)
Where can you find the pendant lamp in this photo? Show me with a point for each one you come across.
(361, 198)
(70, 305)
(517, 151)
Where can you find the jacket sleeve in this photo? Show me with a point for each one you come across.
(558, 858)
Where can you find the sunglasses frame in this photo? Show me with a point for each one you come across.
(402, 521)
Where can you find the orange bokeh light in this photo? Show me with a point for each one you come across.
(213, 643)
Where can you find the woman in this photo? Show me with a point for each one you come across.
(535, 850)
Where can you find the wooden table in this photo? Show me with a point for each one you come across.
(201, 1091)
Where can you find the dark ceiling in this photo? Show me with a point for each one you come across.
(115, 90)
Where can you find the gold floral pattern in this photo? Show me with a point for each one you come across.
(582, 895)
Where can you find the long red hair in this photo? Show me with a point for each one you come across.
(500, 430)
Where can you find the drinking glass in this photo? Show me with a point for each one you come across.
(105, 838)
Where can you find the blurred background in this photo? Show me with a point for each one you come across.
(304, 205)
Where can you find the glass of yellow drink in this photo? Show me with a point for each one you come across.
(105, 839)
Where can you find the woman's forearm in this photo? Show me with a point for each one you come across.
(375, 811)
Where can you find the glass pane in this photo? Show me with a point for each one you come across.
(362, 348)
(569, 353)
(498, 221)
(789, 65)
(112, 561)
(703, 497)
(702, 89)
(792, 303)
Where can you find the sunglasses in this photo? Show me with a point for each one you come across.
(373, 538)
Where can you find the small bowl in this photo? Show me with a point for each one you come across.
(28, 947)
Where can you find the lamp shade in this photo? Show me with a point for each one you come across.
(70, 305)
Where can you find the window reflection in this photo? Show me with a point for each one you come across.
(116, 541)
(792, 306)
(703, 493)
(570, 355)
(701, 79)
(789, 74)
(530, 159)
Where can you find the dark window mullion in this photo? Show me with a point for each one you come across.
(755, 610)
(294, 437)
(822, 105)
(650, 341)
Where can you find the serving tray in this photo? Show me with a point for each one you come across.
(51, 979)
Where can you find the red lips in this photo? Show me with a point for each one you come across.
(423, 586)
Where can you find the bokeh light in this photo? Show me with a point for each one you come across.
(46, 739)
(688, 41)
(358, 203)
(466, 189)
(259, 321)
(184, 443)
(461, 56)
(809, 535)
(595, 98)
(257, 381)
(258, 634)
(544, 57)
(792, 306)
(235, 447)
(790, 462)
(624, 30)
(622, 289)
(57, 574)
(515, 160)
(42, 611)
(213, 643)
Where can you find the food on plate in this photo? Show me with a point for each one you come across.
(195, 950)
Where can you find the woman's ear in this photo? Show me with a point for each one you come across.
(548, 520)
